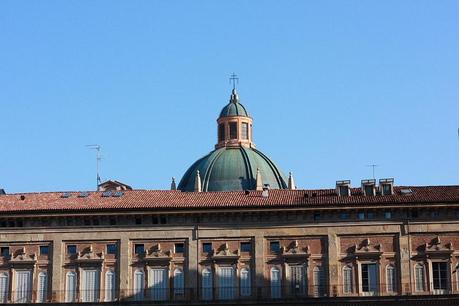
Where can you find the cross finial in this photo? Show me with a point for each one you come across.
(234, 79)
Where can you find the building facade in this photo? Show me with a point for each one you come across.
(234, 229)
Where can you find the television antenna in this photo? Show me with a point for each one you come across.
(98, 159)
(373, 166)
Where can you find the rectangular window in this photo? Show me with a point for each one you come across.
(5, 251)
(71, 249)
(221, 132)
(388, 215)
(361, 215)
(23, 292)
(207, 247)
(111, 248)
(344, 215)
(44, 250)
(440, 277)
(344, 191)
(369, 279)
(139, 249)
(138, 220)
(245, 130)
(316, 216)
(435, 214)
(233, 130)
(158, 283)
(369, 190)
(370, 215)
(274, 246)
(386, 189)
(297, 280)
(90, 286)
(226, 283)
(246, 247)
(179, 248)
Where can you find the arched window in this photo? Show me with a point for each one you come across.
(179, 283)
(4, 286)
(70, 287)
(347, 279)
(390, 278)
(109, 286)
(139, 284)
(245, 285)
(206, 284)
(419, 274)
(319, 281)
(42, 289)
(276, 292)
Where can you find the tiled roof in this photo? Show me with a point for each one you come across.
(177, 200)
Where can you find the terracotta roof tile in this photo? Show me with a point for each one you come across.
(169, 200)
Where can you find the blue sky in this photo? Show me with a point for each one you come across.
(332, 86)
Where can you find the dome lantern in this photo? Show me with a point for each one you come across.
(234, 125)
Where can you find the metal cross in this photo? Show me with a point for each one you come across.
(234, 79)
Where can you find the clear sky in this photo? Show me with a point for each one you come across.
(332, 86)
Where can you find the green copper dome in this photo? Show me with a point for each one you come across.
(233, 168)
(234, 108)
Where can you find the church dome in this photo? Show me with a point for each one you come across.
(233, 168)
(235, 164)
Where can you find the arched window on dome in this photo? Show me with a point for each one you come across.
(245, 130)
(233, 130)
(221, 132)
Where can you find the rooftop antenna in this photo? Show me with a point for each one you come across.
(98, 159)
(373, 166)
(234, 79)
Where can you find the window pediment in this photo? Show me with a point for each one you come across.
(367, 249)
(295, 251)
(88, 254)
(435, 247)
(21, 255)
(225, 253)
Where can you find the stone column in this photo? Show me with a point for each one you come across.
(405, 264)
(260, 264)
(125, 255)
(58, 282)
(193, 265)
(333, 264)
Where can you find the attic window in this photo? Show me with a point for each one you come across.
(343, 188)
(83, 194)
(107, 194)
(386, 186)
(118, 194)
(66, 195)
(368, 187)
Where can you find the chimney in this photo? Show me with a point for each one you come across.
(265, 192)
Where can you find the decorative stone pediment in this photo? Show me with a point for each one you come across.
(157, 253)
(367, 249)
(20, 255)
(295, 250)
(225, 253)
(89, 254)
(435, 247)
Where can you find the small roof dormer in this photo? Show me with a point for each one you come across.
(386, 186)
(369, 187)
(343, 188)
